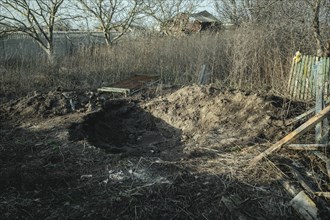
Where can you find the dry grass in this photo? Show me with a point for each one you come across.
(250, 58)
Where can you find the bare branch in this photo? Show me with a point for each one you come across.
(35, 18)
(163, 10)
(112, 15)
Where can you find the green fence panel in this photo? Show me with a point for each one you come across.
(301, 84)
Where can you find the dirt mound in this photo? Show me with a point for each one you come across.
(192, 115)
(208, 115)
(52, 103)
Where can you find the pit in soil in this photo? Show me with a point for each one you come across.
(124, 127)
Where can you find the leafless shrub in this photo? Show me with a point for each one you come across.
(250, 57)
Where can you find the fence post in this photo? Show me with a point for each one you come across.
(325, 126)
(319, 99)
(321, 129)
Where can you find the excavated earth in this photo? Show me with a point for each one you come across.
(182, 154)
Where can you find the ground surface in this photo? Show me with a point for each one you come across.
(181, 154)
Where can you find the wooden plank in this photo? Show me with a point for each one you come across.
(298, 79)
(305, 206)
(112, 89)
(306, 75)
(309, 92)
(303, 78)
(299, 117)
(323, 194)
(292, 136)
(307, 146)
(312, 79)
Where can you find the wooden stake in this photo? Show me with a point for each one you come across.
(307, 146)
(292, 136)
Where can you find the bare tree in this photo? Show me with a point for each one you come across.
(238, 11)
(163, 10)
(316, 6)
(112, 15)
(230, 11)
(36, 18)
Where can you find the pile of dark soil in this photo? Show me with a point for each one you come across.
(53, 103)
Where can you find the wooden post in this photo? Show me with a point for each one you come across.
(319, 98)
(202, 74)
(325, 127)
(205, 75)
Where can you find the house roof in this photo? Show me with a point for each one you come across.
(204, 16)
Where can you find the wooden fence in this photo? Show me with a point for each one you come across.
(302, 81)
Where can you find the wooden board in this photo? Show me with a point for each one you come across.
(132, 84)
(311, 147)
(323, 194)
(305, 206)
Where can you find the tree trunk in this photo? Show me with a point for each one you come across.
(50, 54)
(316, 27)
(107, 38)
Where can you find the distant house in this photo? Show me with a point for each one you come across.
(184, 24)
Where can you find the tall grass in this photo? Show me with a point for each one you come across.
(253, 58)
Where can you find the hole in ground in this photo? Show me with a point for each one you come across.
(124, 127)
